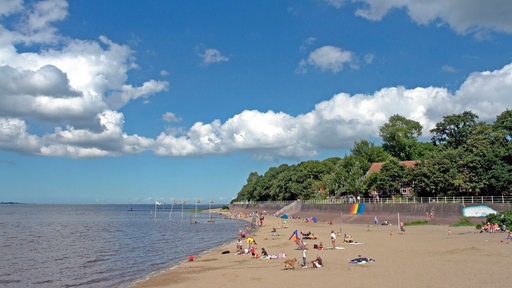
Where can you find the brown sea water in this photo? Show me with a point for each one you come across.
(101, 245)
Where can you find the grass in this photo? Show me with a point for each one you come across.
(416, 223)
(463, 222)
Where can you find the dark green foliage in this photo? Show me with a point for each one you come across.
(502, 218)
(400, 137)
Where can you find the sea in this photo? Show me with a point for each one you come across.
(103, 245)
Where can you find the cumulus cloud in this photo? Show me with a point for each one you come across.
(342, 119)
(75, 86)
(210, 56)
(78, 87)
(328, 58)
(463, 16)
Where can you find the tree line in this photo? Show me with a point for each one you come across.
(464, 157)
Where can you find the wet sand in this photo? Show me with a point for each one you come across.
(425, 256)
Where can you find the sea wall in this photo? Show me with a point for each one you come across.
(442, 213)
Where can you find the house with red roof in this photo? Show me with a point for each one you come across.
(377, 166)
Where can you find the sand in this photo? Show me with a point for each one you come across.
(425, 256)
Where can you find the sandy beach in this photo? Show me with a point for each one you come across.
(425, 256)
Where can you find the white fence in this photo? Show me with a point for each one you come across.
(462, 200)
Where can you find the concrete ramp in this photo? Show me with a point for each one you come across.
(290, 209)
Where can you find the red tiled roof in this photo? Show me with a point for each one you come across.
(377, 166)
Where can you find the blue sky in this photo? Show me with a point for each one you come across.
(136, 101)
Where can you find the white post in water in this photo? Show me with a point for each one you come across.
(197, 201)
(172, 207)
(156, 203)
(182, 202)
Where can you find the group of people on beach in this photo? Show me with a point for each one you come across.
(493, 228)
(316, 263)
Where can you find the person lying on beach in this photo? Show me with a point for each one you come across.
(385, 223)
(319, 246)
(317, 263)
(347, 239)
(308, 235)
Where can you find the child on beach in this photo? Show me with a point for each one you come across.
(304, 260)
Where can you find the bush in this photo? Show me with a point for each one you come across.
(502, 218)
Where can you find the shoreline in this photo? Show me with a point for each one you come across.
(425, 256)
(154, 274)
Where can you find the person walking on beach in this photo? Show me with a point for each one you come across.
(304, 258)
(402, 227)
(333, 239)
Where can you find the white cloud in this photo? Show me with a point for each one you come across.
(36, 24)
(74, 86)
(170, 117)
(338, 122)
(10, 6)
(127, 93)
(80, 105)
(335, 3)
(210, 56)
(328, 58)
(463, 16)
(448, 68)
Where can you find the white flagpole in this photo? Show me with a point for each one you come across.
(182, 202)
(172, 207)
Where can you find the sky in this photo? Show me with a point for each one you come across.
(129, 101)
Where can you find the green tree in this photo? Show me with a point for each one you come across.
(248, 190)
(399, 135)
(454, 130)
(437, 175)
(369, 153)
(503, 124)
(391, 177)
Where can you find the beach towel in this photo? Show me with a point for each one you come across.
(361, 260)
(354, 243)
